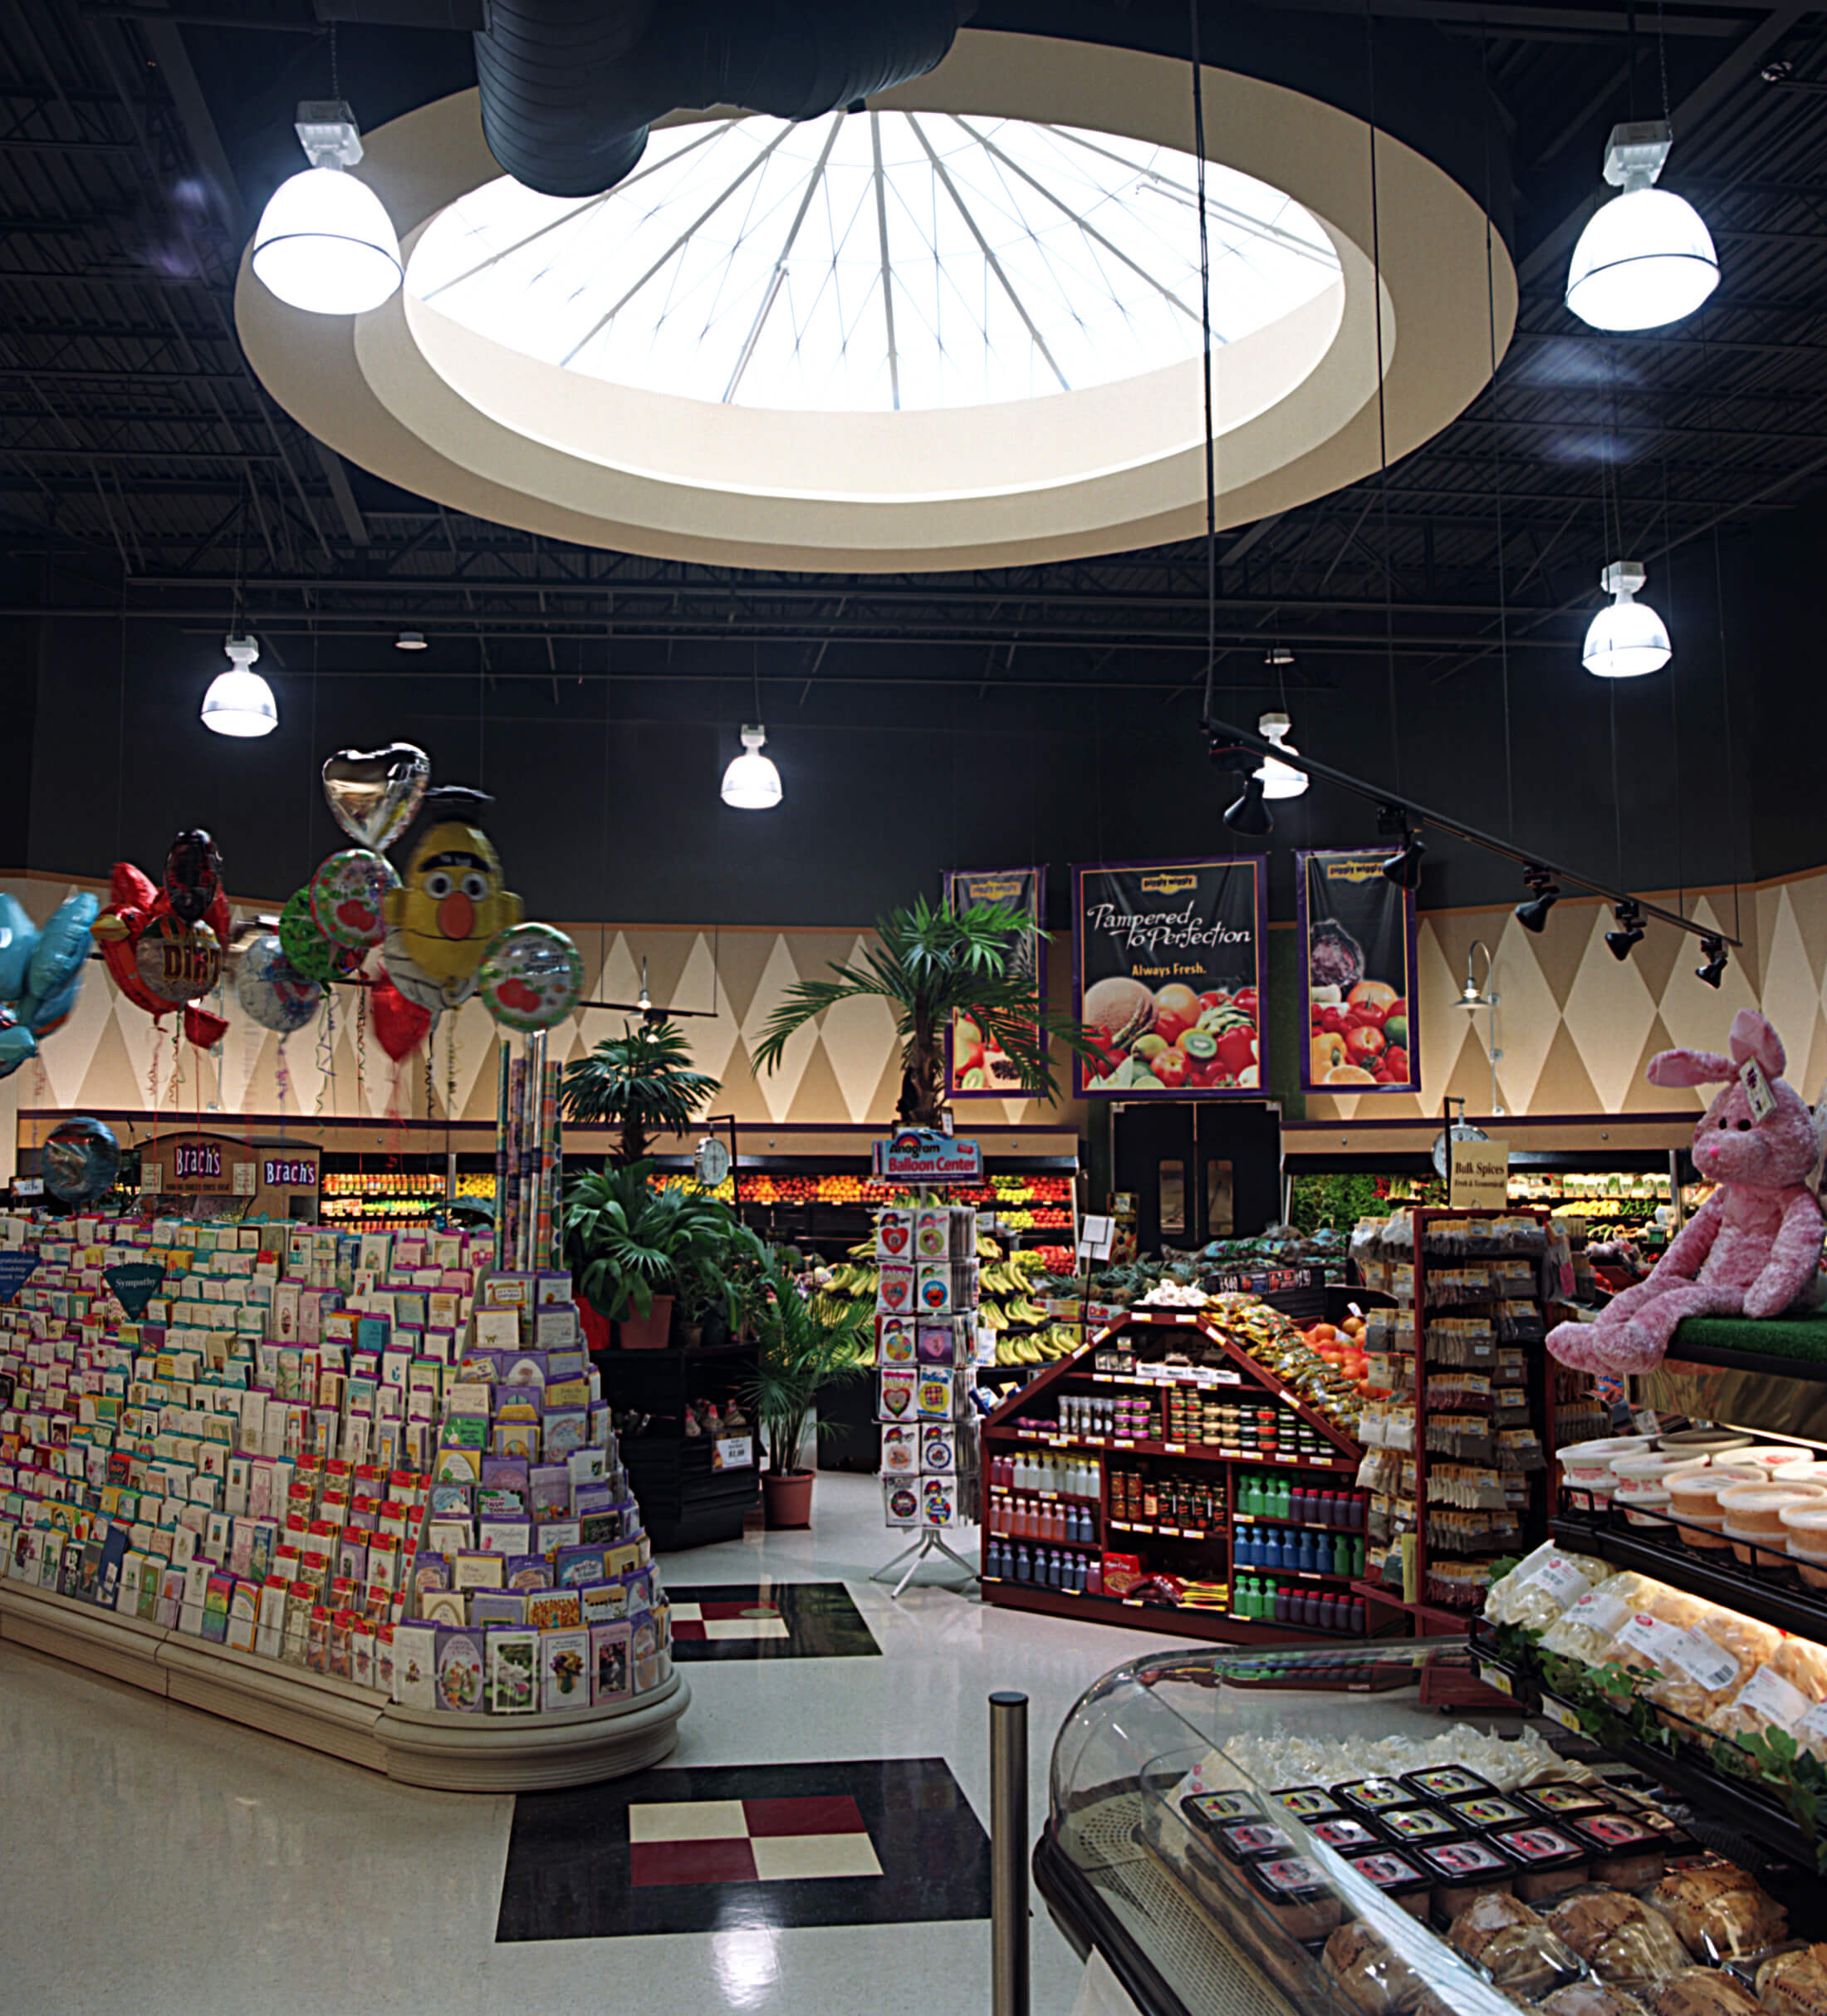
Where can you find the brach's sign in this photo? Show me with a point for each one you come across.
(917, 1154)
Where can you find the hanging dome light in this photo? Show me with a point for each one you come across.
(752, 784)
(325, 243)
(239, 702)
(1646, 258)
(1280, 780)
(1628, 639)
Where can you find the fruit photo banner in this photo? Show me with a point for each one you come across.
(1358, 954)
(1167, 965)
(975, 1069)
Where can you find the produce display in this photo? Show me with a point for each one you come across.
(1023, 1203)
(1025, 1333)
(1170, 1038)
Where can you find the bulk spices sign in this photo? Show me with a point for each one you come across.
(1357, 935)
(1168, 977)
(974, 1067)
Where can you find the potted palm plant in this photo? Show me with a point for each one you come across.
(801, 1353)
(632, 1246)
(641, 1082)
(931, 965)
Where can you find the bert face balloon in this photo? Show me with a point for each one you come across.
(450, 906)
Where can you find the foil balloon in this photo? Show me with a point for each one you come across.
(41, 973)
(178, 962)
(307, 951)
(373, 795)
(450, 905)
(346, 894)
(400, 1025)
(271, 990)
(80, 1160)
(531, 977)
(193, 875)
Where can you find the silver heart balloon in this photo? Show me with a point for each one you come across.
(374, 795)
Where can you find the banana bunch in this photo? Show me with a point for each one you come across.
(1020, 1310)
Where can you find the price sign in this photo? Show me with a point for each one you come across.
(246, 1181)
(28, 1186)
(733, 1452)
(1096, 1235)
(152, 1175)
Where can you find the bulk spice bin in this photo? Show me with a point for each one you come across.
(1167, 1475)
(1263, 1834)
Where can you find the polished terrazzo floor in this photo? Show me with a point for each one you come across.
(155, 1860)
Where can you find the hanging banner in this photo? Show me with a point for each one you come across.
(1358, 956)
(1168, 962)
(974, 1067)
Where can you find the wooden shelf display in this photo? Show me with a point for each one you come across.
(1160, 1498)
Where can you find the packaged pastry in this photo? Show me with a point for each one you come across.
(1462, 1871)
(1515, 1945)
(1397, 1877)
(1619, 1937)
(1699, 1991)
(1375, 1795)
(1550, 1862)
(1448, 1782)
(1370, 1975)
(1412, 1825)
(1718, 1911)
(1308, 1803)
(1626, 1851)
(1346, 1836)
(1592, 1999)
(1541, 1586)
(1710, 1663)
(1795, 1983)
(1297, 1896)
(1209, 1811)
(1586, 1630)
(1492, 1810)
(1558, 1801)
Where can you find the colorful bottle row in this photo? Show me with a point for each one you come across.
(1070, 1574)
(1065, 1477)
(1297, 1550)
(1272, 1602)
(1280, 1498)
(1022, 1518)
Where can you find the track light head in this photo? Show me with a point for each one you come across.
(1714, 970)
(1628, 935)
(1533, 915)
(1404, 866)
(1249, 814)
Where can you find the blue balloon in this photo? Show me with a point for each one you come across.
(16, 1045)
(18, 941)
(80, 1159)
(57, 961)
(42, 1017)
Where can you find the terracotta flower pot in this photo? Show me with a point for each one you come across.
(651, 1332)
(787, 1498)
(691, 1337)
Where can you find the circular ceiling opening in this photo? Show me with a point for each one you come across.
(882, 261)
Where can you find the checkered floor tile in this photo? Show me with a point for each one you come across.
(885, 1841)
(725, 1623)
(769, 1621)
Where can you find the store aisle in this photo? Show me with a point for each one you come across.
(158, 1859)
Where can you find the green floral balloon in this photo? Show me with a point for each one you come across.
(531, 977)
(307, 951)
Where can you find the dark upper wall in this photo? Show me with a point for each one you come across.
(607, 805)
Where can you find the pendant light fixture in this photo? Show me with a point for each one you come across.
(752, 784)
(1628, 935)
(1714, 971)
(1280, 780)
(239, 701)
(1248, 814)
(1646, 258)
(1545, 893)
(1628, 639)
(325, 243)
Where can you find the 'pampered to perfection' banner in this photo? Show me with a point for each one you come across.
(975, 1068)
(1357, 957)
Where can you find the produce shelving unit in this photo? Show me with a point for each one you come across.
(1008, 1432)
(686, 1500)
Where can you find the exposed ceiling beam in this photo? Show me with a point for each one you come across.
(348, 509)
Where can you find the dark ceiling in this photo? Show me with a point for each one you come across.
(141, 465)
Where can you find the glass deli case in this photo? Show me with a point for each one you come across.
(1369, 1832)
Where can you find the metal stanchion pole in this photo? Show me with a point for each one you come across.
(1008, 1855)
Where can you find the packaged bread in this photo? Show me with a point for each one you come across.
(1777, 1696)
(1699, 1991)
(1718, 1911)
(1795, 1983)
(1646, 1641)
(1592, 1999)
(1619, 1937)
(1370, 1975)
(1715, 1657)
(1586, 1632)
(1542, 1586)
(1515, 1945)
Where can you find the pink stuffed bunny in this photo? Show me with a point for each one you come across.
(1754, 1246)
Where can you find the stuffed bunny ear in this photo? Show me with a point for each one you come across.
(1690, 1068)
(1752, 1037)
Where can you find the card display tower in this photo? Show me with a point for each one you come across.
(1116, 1467)
(925, 1352)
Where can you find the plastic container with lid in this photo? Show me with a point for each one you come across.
(1375, 1795)
(1347, 1837)
(1754, 1512)
(1462, 1870)
(1308, 1803)
(1489, 1810)
(1769, 1457)
(1585, 1467)
(1412, 1825)
(1297, 1896)
(1209, 1811)
(1448, 1782)
(1805, 1530)
(1694, 1495)
(1625, 1852)
(1550, 1860)
(1808, 1468)
(1629, 1472)
(1561, 1801)
(1710, 1442)
(1708, 1535)
(1397, 1877)
(1640, 1502)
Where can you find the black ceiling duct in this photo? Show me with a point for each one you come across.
(569, 87)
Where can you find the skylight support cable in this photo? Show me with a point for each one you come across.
(888, 274)
(1205, 367)
(779, 276)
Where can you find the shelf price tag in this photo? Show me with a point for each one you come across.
(733, 1452)
(1495, 1677)
(1559, 1711)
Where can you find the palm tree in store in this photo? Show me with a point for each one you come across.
(931, 966)
(642, 1082)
